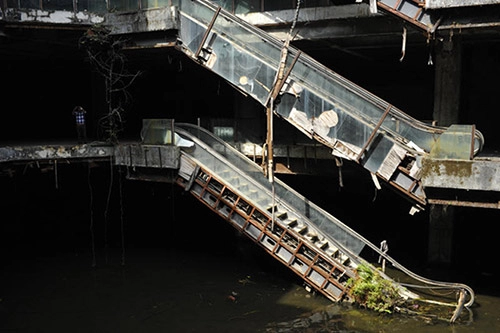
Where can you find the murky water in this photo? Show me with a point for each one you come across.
(173, 291)
(182, 275)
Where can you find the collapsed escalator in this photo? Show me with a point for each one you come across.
(318, 247)
(354, 123)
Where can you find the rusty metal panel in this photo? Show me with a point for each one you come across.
(412, 11)
(148, 156)
(157, 131)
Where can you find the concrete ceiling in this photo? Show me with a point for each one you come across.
(41, 41)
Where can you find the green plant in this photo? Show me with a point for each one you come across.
(372, 291)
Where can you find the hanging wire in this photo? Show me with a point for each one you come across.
(339, 163)
(271, 163)
(172, 195)
(296, 17)
(279, 77)
(91, 203)
(430, 43)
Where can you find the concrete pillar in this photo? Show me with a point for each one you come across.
(440, 234)
(448, 80)
(448, 70)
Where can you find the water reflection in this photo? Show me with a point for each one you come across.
(224, 283)
(166, 290)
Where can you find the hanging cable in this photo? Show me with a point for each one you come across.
(430, 43)
(284, 55)
(172, 195)
(122, 226)
(339, 163)
(270, 110)
(270, 160)
(56, 177)
(91, 204)
(296, 17)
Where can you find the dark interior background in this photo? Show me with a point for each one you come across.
(45, 214)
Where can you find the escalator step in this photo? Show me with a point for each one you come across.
(291, 223)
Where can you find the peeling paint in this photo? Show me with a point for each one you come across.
(447, 168)
(81, 150)
(45, 153)
(61, 152)
(54, 16)
(476, 174)
(458, 169)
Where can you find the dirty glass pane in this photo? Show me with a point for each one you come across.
(202, 13)
(123, 5)
(95, 6)
(285, 195)
(194, 24)
(29, 4)
(226, 4)
(57, 5)
(157, 131)
(315, 99)
(358, 111)
(239, 6)
(154, 3)
(251, 66)
(238, 55)
(248, 6)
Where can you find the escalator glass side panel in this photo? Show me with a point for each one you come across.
(297, 206)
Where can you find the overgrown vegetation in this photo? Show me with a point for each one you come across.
(374, 292)
(105, 54)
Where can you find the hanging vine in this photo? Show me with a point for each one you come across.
(105, 54)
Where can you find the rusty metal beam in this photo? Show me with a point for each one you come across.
(279, 85)
(461, 203)
(402, 15)
(286, 244)
(207, 32)
(372, 135)
(409, 193)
